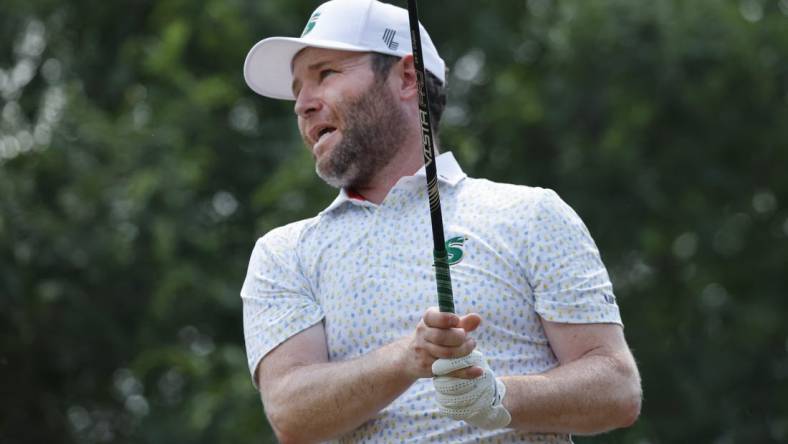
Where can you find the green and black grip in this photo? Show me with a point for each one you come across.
(443, 280)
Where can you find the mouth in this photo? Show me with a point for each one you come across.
(325, 132)
(318, 133)
(321, 137)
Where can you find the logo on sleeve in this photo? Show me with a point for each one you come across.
(310, 25)
(454, 249)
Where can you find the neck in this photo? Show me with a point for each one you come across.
(408, 160)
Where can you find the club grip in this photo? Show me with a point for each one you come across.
(443, 280)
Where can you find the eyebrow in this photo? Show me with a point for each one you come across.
(312, 67)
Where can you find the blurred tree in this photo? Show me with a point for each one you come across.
(136, 171)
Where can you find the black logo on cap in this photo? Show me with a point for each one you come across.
(388, 37)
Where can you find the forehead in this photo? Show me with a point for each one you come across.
(311, 58)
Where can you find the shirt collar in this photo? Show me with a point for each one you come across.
(449, 171)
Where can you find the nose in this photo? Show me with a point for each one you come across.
(307, 102)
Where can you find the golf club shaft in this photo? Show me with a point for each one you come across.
(442, 272)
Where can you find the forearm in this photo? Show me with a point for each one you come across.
(591, 395)
(320, 401)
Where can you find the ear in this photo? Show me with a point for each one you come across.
(408, 84)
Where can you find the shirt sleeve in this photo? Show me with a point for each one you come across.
(569, 280)
(277, 298)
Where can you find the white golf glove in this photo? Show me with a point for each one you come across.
(476, 401)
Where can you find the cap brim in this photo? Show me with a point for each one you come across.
(267, 69)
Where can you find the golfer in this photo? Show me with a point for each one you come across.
(340, 340)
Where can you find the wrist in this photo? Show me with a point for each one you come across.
(507, 401)
(402, 361)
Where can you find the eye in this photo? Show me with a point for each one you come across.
(325, 73)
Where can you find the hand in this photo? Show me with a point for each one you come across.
(440, 335)
(476, 401)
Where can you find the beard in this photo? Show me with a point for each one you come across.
(375, 125)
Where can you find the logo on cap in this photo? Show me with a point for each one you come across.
(388, 37)
(310, 25)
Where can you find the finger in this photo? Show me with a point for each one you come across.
(470, 322)
(453, 337)
(446, 386)
(441, 352)
(467, 347)
(467, 373)
(457, 392)
(445, 366)
(481, 393)
(437, 319)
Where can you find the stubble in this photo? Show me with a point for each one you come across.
(375, 127)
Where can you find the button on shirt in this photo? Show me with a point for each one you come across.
(519, 253)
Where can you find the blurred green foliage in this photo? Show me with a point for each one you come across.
(136, 171)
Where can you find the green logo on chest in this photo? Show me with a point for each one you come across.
(454, 249)
(311, 24)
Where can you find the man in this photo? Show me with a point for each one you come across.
(337, 336)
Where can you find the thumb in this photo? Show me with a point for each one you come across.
(470, 322)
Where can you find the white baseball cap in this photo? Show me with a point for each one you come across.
(349, 25)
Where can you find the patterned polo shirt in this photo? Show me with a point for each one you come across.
(519, 254)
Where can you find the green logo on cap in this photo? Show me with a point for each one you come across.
(311, 23)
